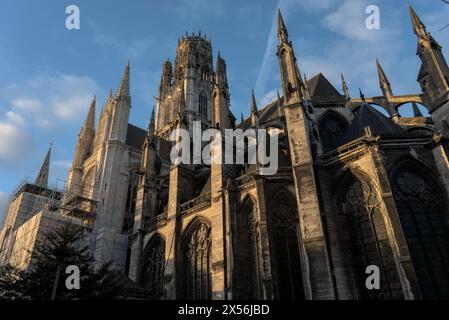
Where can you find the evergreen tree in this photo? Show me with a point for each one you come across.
(57, 250)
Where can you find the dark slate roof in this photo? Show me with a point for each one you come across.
(267, 114)
(320, 90)
(319, 86)
(368, 116)
(135, 136)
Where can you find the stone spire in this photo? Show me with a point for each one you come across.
(242, 119)
(383, 81)
(151, 125)
(254, 112)
(418, 27)
(123, 89)
(345, 87)
(42, 177)
(362, 96)
(220, 72)
(89, 123)
(306, 91)
(416, 112)
(292, 84)
(433, 75)
(282, 29)
(279, 104)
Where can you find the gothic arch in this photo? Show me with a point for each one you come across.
(195, 261)
(408, 103)
(203, 104)
(284, 235)
(88, 182)
(247, 280)
(204, 73)
(153, 266)
(332, 126)
(423, 211)
(365, 238)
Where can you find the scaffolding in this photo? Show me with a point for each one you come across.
(80, 201)
(42, 209)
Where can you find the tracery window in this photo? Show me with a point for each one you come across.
(204, 73)
(368, 241)
(203, 104)
(423, 214)
(286, 252)
(332, 127)
(195, 273)
(247, 258)
(153, 266)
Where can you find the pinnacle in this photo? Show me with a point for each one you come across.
(90, 118)
(123, 90)
(42, 177)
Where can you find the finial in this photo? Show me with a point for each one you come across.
(416, 112)
(362, 96)
(345, 87)
(123, 90)
(42, 177)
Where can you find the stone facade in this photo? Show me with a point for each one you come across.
(354, 188)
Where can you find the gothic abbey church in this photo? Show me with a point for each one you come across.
(354, 188)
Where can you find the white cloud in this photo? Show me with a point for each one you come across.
(14, 142)
(44, 102)
(15, 118)
(26, 104)
(349, 21)
(48, 99)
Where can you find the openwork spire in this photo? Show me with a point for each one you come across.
(151, 125)
(123, 89)
(89, 123)
(42, 177)
(345, 87)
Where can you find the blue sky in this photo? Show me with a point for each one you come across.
(50, 74)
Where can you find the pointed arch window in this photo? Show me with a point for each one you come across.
(195, 268)
(286, 254)
(332, 127)
(153, 266)
(423, 213)
(246, 281)
(368, 241)
(203, 104)
(204, 73)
